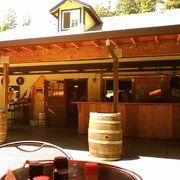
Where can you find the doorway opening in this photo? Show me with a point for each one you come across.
(76, 91)
(124, 92)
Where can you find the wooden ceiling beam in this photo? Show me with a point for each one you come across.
(178, 38)
(11, 50)
(71, 54)
(57, 46)
(41, 47)
(113, 42)
(156, 40)
(26, 49)
(133, 41)
(87, 52)
(76, 46)
(95, 44)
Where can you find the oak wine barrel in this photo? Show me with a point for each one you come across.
(105, 135)
(3, 127)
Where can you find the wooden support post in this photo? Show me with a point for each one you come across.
(115, 77)
(5, 86)
(115, 84)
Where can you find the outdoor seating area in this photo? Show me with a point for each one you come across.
(105, 89)
(150, 158)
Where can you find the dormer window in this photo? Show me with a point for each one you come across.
(70, 19)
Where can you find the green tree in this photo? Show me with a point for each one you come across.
(171, 4)
(146, 6)
(26, 20)
(136, 6)
(9, 21)
(127, 7)
(104, 12)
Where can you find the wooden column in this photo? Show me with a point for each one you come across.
(5, 85)
(115, 76)
(115, 84)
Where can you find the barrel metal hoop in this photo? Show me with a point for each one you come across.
(105, 131)
(104, 142)
(106, 122)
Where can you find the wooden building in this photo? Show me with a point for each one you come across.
(73, 68)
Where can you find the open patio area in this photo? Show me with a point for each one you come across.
(150, 158)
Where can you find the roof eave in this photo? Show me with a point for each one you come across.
(89, 36)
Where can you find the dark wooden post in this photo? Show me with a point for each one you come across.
(5, 85)
(115, 76)
(5, 61)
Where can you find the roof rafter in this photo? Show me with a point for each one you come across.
(113, 42)
(156, 40)
(57, 46)
(95, 44)
(1, 52)
(178, 38)
(75, 45)
(11, 50)
(41, 47)
(27, 49)
(132, 40)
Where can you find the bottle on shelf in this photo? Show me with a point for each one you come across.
(91, 170)
(35, 169)
(60, 168)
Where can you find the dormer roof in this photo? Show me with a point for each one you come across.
(87, 7)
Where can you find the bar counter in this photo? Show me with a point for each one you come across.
(145, 120)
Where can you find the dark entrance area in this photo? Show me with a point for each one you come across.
(76, 91)
(124, 93)
(55, 103)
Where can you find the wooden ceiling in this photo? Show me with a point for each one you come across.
(161, 42)
(142, 46)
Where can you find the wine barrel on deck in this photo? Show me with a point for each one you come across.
(3, 127)
(105, 135)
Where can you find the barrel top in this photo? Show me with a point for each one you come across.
(104, 114)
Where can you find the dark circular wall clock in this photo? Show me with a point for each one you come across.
(20, 80)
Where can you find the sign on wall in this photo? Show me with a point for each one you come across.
(39, 87)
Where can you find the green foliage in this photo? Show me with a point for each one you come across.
(171, 4)
(104, 12)
(26, 20)
(127, 7)
(9, 21)
(146, 6)
(136, 6)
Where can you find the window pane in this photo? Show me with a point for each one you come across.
(66, 23)
(75, 18)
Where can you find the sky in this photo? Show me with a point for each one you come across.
(37, 9)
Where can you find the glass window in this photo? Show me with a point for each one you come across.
(66, 23)
(70, 19)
